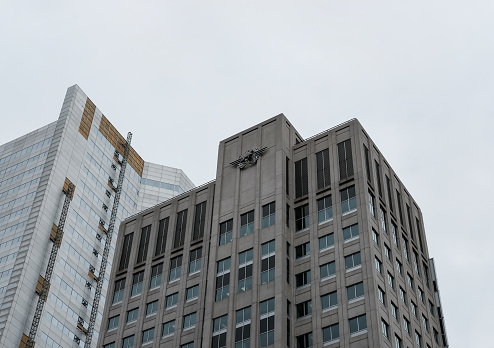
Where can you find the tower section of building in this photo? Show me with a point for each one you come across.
(297, 243)
(83, 147)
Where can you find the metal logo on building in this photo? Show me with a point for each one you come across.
(249, 158)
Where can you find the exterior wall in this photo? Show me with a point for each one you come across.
(87, 161)
(238, 191)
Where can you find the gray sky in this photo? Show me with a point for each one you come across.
(417, 74)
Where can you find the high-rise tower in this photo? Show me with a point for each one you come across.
(297, 243)
(84, 148)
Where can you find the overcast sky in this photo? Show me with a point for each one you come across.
(183, 75)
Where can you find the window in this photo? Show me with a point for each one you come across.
(305, 340)
(245, 270)
(187, 345)
(137, 284)
(398, 199)
(385, 328)
(418, 339)
(381, 295)
(352, 261)
(436, 335)
(219, 332)
(267, 262)
(414, 309)
(355, 291)
(406, 325)
(151, 308)
(287, 176)
(179, 237)
(175, 268)
(350, 232)
(415, 263)
(324, 209)
(302, 279)
(405, 249)
(330, 333)
(132, 315)
(372, 208)
(222, 279)
(391, 281)
(394, 310)
(302, 250)
(268, 214)
(126, 249)
(431, 308)
(113, 322)
(247, 223)
(326, 242)
(288, 324)
(390, 198)
(168, 328)
(403, 295)
(367, 166)
(304, 309)
(226, 231)
(161, 238)
(378, 177)
(328, 270)
(266, 312)
(375, 237)
(358, 324)
(128, 342)
(195, 261)
(118, 291)
(143, 244)
(287, 216)
(395, 237)
(242, 328)
(409, 221)
(378, 265)
(410, 280)
(382, 214)
(399, 267)
(192, 293)
(322, 169)
(329, 300)
(426, 274)
(109, 345)
(189, 321)
(301, 218)
(156, 276)
(171, 300)
(147, 336)
(348, 200)
(288, 262)
(301, 178)
(199, 221)
(397, 342)
(425, 323)
(421, 295)
(345, 159)
(387, 252)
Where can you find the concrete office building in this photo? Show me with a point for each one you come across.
(80, 146)
(297, 243)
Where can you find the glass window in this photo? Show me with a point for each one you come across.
(175, 268)
(118, 291)
(226, 231)
(326, 242)
(268, 214)
(350, 232)
(152, 308)
(322, 169)
(399, 267)
(302, 250)
(418, 339)
(132, 315)
(161, 237)
(385, 328)
(410, 280)
(113, 322)
(403, 295)
(192, 293)
(355, 291)
(143, 244)
(266, 312)
(171, 300)
(156, 272)
(353, 260)
(378, 265)
(414, 309)
(382, 296)
(395, 236)
(327, 270)
(189, 321)
(137, 284)
(329, 300)
(348, 200)
(304, 309)
(387, 252)
(397, 342)
(195, 261)
(375, 237)
(247, 223)
(147, 336)
(358, 324)
(168, 328)
(302, 279)
(391, 281)
(302, 218)
(394, 310)
(305, 340)
(245, 270)
(222, 279)
(330, 333)
(382, 214)
(406, 325)
(242, 331)
(371, 205)
(219, 332)
(324, 209)
(187, 345)
(268, 262)
(128, 342)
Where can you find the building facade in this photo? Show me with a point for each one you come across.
(80, 147)
(296, 243)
